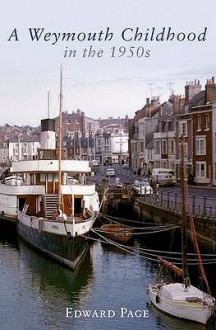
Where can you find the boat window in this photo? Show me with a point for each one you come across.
(55, 177)
(50, 178)
(42, 177)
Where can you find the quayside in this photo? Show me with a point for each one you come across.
(180, 298)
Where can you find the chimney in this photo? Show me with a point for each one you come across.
(210, 90)
(155, 101)
(178, 103)
(192, 88)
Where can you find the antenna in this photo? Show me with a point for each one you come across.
(171, 90)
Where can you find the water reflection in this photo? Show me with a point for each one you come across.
(116, 248)
(52, 277)
(164, 321)
(45, 272)
(35, 291)
(8, 234)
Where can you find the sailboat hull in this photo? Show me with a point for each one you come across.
(172, 299)
(66, 249)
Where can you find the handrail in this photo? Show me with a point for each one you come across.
(201, 206)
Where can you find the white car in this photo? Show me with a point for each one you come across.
(126, 166)
(94, 162)
(142, 187)
(110, 172)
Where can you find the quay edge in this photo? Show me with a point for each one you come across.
(205, 226)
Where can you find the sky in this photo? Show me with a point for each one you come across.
(124, 70)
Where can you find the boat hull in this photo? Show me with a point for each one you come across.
(65, 249)
(189, 305)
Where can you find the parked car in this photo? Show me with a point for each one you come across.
(142, 187)
(94, 162)
(163, 176)
(126, 166)
(110, 171)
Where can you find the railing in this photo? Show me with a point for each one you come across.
(199, 206)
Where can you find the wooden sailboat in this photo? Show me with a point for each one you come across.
(182, 299)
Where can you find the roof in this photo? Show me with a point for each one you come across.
(24, 138)
(151, 109)
(198, 99)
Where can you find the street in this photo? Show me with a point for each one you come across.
(126, 176)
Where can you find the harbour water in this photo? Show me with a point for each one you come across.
(107, 292)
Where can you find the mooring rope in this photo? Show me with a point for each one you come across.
(144, 232)
(153, 226)
(148, 254)
(111, 218)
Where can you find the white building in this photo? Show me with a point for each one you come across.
(144, 124)
(23, 147)
(112, 147)
(119, 146)
(164, 141)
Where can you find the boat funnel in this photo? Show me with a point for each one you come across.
(48, 137)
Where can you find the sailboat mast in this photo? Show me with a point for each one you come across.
(60, 144)
(184, 219)
(185, 193)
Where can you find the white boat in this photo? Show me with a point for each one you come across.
(182, 299)
(54, 204)
(190, 304)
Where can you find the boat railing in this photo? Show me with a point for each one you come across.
(78, 217)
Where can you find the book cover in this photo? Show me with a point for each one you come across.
(114, 56)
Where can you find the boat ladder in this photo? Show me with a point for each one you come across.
(51, 202)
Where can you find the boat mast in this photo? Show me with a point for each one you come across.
(197, 251)
(193, 231)
(60, 204)
(184, 219)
